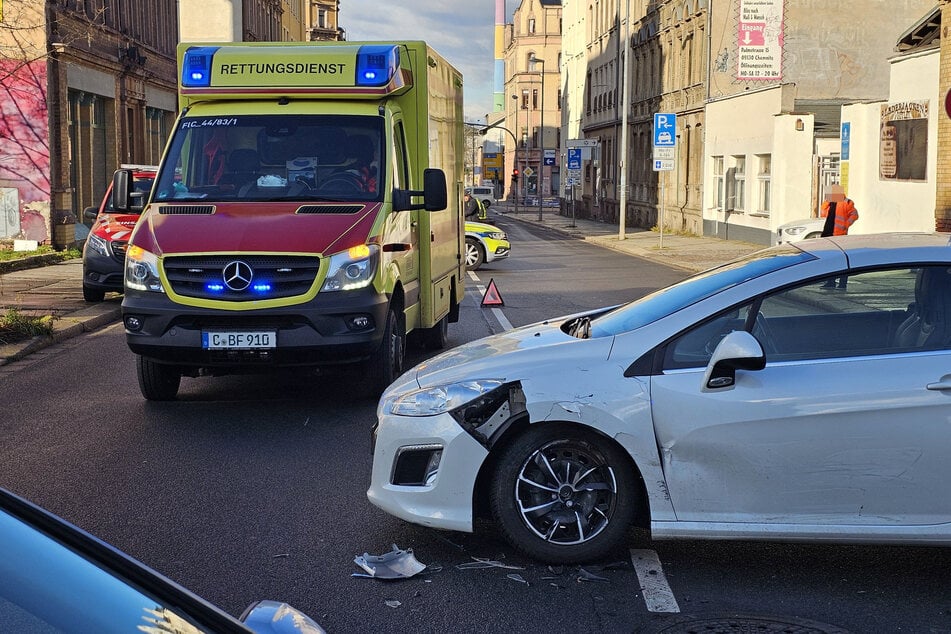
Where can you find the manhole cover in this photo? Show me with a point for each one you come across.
(746, 625)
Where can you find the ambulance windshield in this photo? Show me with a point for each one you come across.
(274, 158)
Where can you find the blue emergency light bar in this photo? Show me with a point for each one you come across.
(376, 64)
(196, 67)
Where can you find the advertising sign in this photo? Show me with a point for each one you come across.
(760, 40)
(903, 141)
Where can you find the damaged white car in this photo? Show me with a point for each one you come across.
(800, 393)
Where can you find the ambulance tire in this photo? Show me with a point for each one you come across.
(386, 365)
(437, 337)
(157, 381)
(474, 254)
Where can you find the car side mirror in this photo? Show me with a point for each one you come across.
(90, 214)
(122, 190)
(739, 350)
(434, 193)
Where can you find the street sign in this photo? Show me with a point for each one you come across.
(574, 158)
(550, 156)
(846, 135)
(581, 143)
(529, 171)
(665, 129)
(663, 166)
(664, 153)
(572, 181)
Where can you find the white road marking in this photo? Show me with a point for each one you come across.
(657, 594)
(499, 315)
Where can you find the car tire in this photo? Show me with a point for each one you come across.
(92, 294)
(588, 518)
(386, 365)
(487, 203)
(475, 255)
(157, 381)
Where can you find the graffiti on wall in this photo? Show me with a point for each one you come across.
(25, 147)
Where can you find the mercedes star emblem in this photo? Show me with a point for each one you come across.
(237, 275)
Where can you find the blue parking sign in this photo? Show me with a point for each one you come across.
(665, 129)
(574, 158)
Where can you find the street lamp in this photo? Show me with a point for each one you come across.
(541, 134)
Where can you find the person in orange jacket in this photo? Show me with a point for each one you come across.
(840, 214)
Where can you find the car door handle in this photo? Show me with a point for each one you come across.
(939, 386)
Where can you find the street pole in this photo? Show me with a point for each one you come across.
(541, 139)
(625, 100)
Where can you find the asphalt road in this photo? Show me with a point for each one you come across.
(253, 487)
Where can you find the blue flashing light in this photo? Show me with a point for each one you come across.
(196, 66)
(376, 64)
(261, 288)
(215, 288)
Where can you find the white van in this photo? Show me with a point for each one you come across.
(485, 194)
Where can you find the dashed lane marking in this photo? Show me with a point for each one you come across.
(657, 594)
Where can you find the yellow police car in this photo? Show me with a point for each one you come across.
(484, 243)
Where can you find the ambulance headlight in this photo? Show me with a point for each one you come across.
(141, 270)
(353, 268)
(376, 65)
(196, 66)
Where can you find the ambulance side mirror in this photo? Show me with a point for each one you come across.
(434, 193)
(122, 190)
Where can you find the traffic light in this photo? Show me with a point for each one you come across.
(515, 176)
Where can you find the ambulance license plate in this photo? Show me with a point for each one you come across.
(238, 340)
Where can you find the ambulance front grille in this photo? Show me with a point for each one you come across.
(330, 209)
(241, 278)
(187, 210)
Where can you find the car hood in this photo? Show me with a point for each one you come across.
(168, 229)
(516, 354)
(114, 226)
(481, 227)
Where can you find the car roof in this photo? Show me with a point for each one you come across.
(876, 249)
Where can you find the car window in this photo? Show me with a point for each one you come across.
(47, 587)
(143, 185)
(867, 313)
(669, 300)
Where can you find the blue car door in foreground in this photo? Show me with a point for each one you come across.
(844, 432)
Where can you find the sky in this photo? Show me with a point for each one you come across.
(462, 31)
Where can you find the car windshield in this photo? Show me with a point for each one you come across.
(273, 158)
(669, 300)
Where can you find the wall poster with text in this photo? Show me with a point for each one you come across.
(903, 141)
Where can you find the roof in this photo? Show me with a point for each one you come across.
(924, 34)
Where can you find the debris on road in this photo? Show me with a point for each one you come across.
(485, 562)
(396, 564)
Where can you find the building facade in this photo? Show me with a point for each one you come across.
(323, 20)
(87, 86)
(532, 55)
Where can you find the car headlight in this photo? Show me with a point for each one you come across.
(496, 235)
(439, 399)
(97, 244)
(353, 268)
(141, 270)
(795, 231)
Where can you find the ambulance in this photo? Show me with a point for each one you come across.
(307, 213)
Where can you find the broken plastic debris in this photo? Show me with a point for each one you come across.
(485, 562)
(396, 564)
(584, 575)
(517, 577)
(393, 603)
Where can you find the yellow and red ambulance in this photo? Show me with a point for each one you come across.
(307, 212)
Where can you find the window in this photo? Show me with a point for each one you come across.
(524, 100)
(879, 312)
(534, 98)
(763, 182)
(739, 182)
(719, 189)
(531, 25)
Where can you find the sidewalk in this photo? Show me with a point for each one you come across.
(56, 289)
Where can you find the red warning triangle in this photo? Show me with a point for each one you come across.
(492, 296)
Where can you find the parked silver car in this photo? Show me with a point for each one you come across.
(796, 230)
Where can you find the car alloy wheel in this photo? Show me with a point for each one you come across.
(474, 255)
(563, 496)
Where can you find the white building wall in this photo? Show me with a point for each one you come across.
(210, 21)
(884, 204)
(749, 125)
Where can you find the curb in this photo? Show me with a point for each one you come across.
(30, 262)
(66, 327)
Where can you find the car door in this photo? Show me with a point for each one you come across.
(847, 424)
